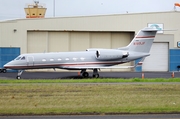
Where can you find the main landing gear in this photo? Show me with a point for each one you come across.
(3, 70)
(95, 73)
(19, 74)
(86, 74)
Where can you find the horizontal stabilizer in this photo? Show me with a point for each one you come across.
(149, 29)
(169, 30)
(154, 29)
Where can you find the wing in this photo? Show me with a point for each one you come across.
(96, 67)
(74, 67)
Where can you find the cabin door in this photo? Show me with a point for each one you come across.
(30, 61)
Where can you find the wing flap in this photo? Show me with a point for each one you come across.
(103, 67)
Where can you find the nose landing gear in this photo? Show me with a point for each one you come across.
(19, 74)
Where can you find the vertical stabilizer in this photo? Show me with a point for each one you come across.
(143, 41)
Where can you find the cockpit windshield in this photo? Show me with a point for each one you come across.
(23, 58)
(20, 58)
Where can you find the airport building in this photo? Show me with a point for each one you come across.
(61, 34)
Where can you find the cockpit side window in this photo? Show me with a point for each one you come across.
(18, 58)
(23, 58)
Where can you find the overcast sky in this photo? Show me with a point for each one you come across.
(13, 9)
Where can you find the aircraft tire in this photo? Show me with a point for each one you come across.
(95, 75)
(4, 70)
(0, 70)
(18, 77)
(85, 74)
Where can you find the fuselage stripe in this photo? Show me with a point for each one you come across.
(63, 65)
(145, 37)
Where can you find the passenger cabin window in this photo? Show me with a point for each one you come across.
(74, 59)
(82, 58)
(51, 59)
(67, 59)
(43, 60)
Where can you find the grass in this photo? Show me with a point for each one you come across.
(103, 80)
(60, 98)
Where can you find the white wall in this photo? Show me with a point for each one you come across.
(122, 22)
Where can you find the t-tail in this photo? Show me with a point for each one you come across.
(143, 41)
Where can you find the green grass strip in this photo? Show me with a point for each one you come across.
(99, 80)
(56, 98)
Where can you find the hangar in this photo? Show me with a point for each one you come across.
(101, 31)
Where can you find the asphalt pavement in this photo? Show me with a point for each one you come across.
(137, 116)
(74, 75)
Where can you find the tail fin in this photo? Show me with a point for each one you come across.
(143, 41)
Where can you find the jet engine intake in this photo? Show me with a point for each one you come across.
(110, 54)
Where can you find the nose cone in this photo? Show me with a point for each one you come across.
(8, 65)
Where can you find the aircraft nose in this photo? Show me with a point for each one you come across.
(7, 65)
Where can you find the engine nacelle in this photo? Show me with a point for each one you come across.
(110, 54)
